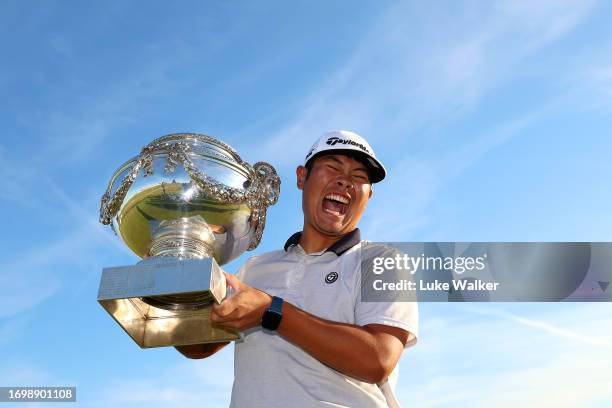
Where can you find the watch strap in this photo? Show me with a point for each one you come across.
(277, 305)
(273, 315)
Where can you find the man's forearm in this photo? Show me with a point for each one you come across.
(368, 353)
(360, 352)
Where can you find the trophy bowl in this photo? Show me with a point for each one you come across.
(186, 205)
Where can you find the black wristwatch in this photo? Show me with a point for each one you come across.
(273, 316)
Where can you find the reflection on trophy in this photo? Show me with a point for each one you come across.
(186, 204)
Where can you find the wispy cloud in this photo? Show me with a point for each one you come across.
(491, 355)
(15, 185)
(549, 328)
(414, 182)
(37, 273)
(405, 77)
(12, 329)
(398, 81)
(188, 383)
(592, 71)
(88, 218)
(23, 373)
(74, 132)
(89, 108)
(32, 276)
(557, 382)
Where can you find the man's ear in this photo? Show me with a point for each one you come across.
(371, 191)
(301, 172)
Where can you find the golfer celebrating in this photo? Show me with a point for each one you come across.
(308, 340)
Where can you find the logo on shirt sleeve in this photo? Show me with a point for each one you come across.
(331, 277)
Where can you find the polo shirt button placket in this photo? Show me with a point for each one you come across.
(299, 276)
(296, 275)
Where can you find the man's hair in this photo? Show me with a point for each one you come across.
(309, 168)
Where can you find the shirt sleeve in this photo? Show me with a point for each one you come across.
(391, 308)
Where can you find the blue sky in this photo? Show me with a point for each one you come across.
(493, 120)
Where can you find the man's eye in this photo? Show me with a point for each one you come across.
(332, 167)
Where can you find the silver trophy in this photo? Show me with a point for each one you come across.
(186, 204)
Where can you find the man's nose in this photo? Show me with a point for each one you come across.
(344, 183)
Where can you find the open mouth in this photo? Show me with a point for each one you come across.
(335, 204)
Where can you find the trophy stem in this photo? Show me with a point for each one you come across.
(184, 238)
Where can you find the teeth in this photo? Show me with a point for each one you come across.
(337, 197)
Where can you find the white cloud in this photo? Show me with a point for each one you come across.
(421, 66)
(403, 201)
(23, 373)
(190, 383)
(11, 330)
(15, 185)
(74, 132)
(408, 73)
(593, 74)
(31, 277)
(405, 195)
(38, 272)
(547, 327)
(494, 355)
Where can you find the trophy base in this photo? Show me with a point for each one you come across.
(145, 299)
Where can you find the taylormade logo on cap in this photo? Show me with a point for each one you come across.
(332, 141)
(344, 140)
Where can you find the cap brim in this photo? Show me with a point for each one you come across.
(376, 170)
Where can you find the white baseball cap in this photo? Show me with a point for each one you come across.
(346, 142)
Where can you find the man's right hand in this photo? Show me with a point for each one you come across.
(201, 350)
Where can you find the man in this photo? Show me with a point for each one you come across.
(319, 344)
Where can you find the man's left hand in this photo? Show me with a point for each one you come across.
(243, 309)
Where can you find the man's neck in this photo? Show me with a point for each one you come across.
(312, 240)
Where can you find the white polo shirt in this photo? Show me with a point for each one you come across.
(272, 372)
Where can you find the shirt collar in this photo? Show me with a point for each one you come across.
(339, 247)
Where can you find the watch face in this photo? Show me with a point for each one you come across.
(271, 320)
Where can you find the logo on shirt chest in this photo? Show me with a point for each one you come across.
(331, 277)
